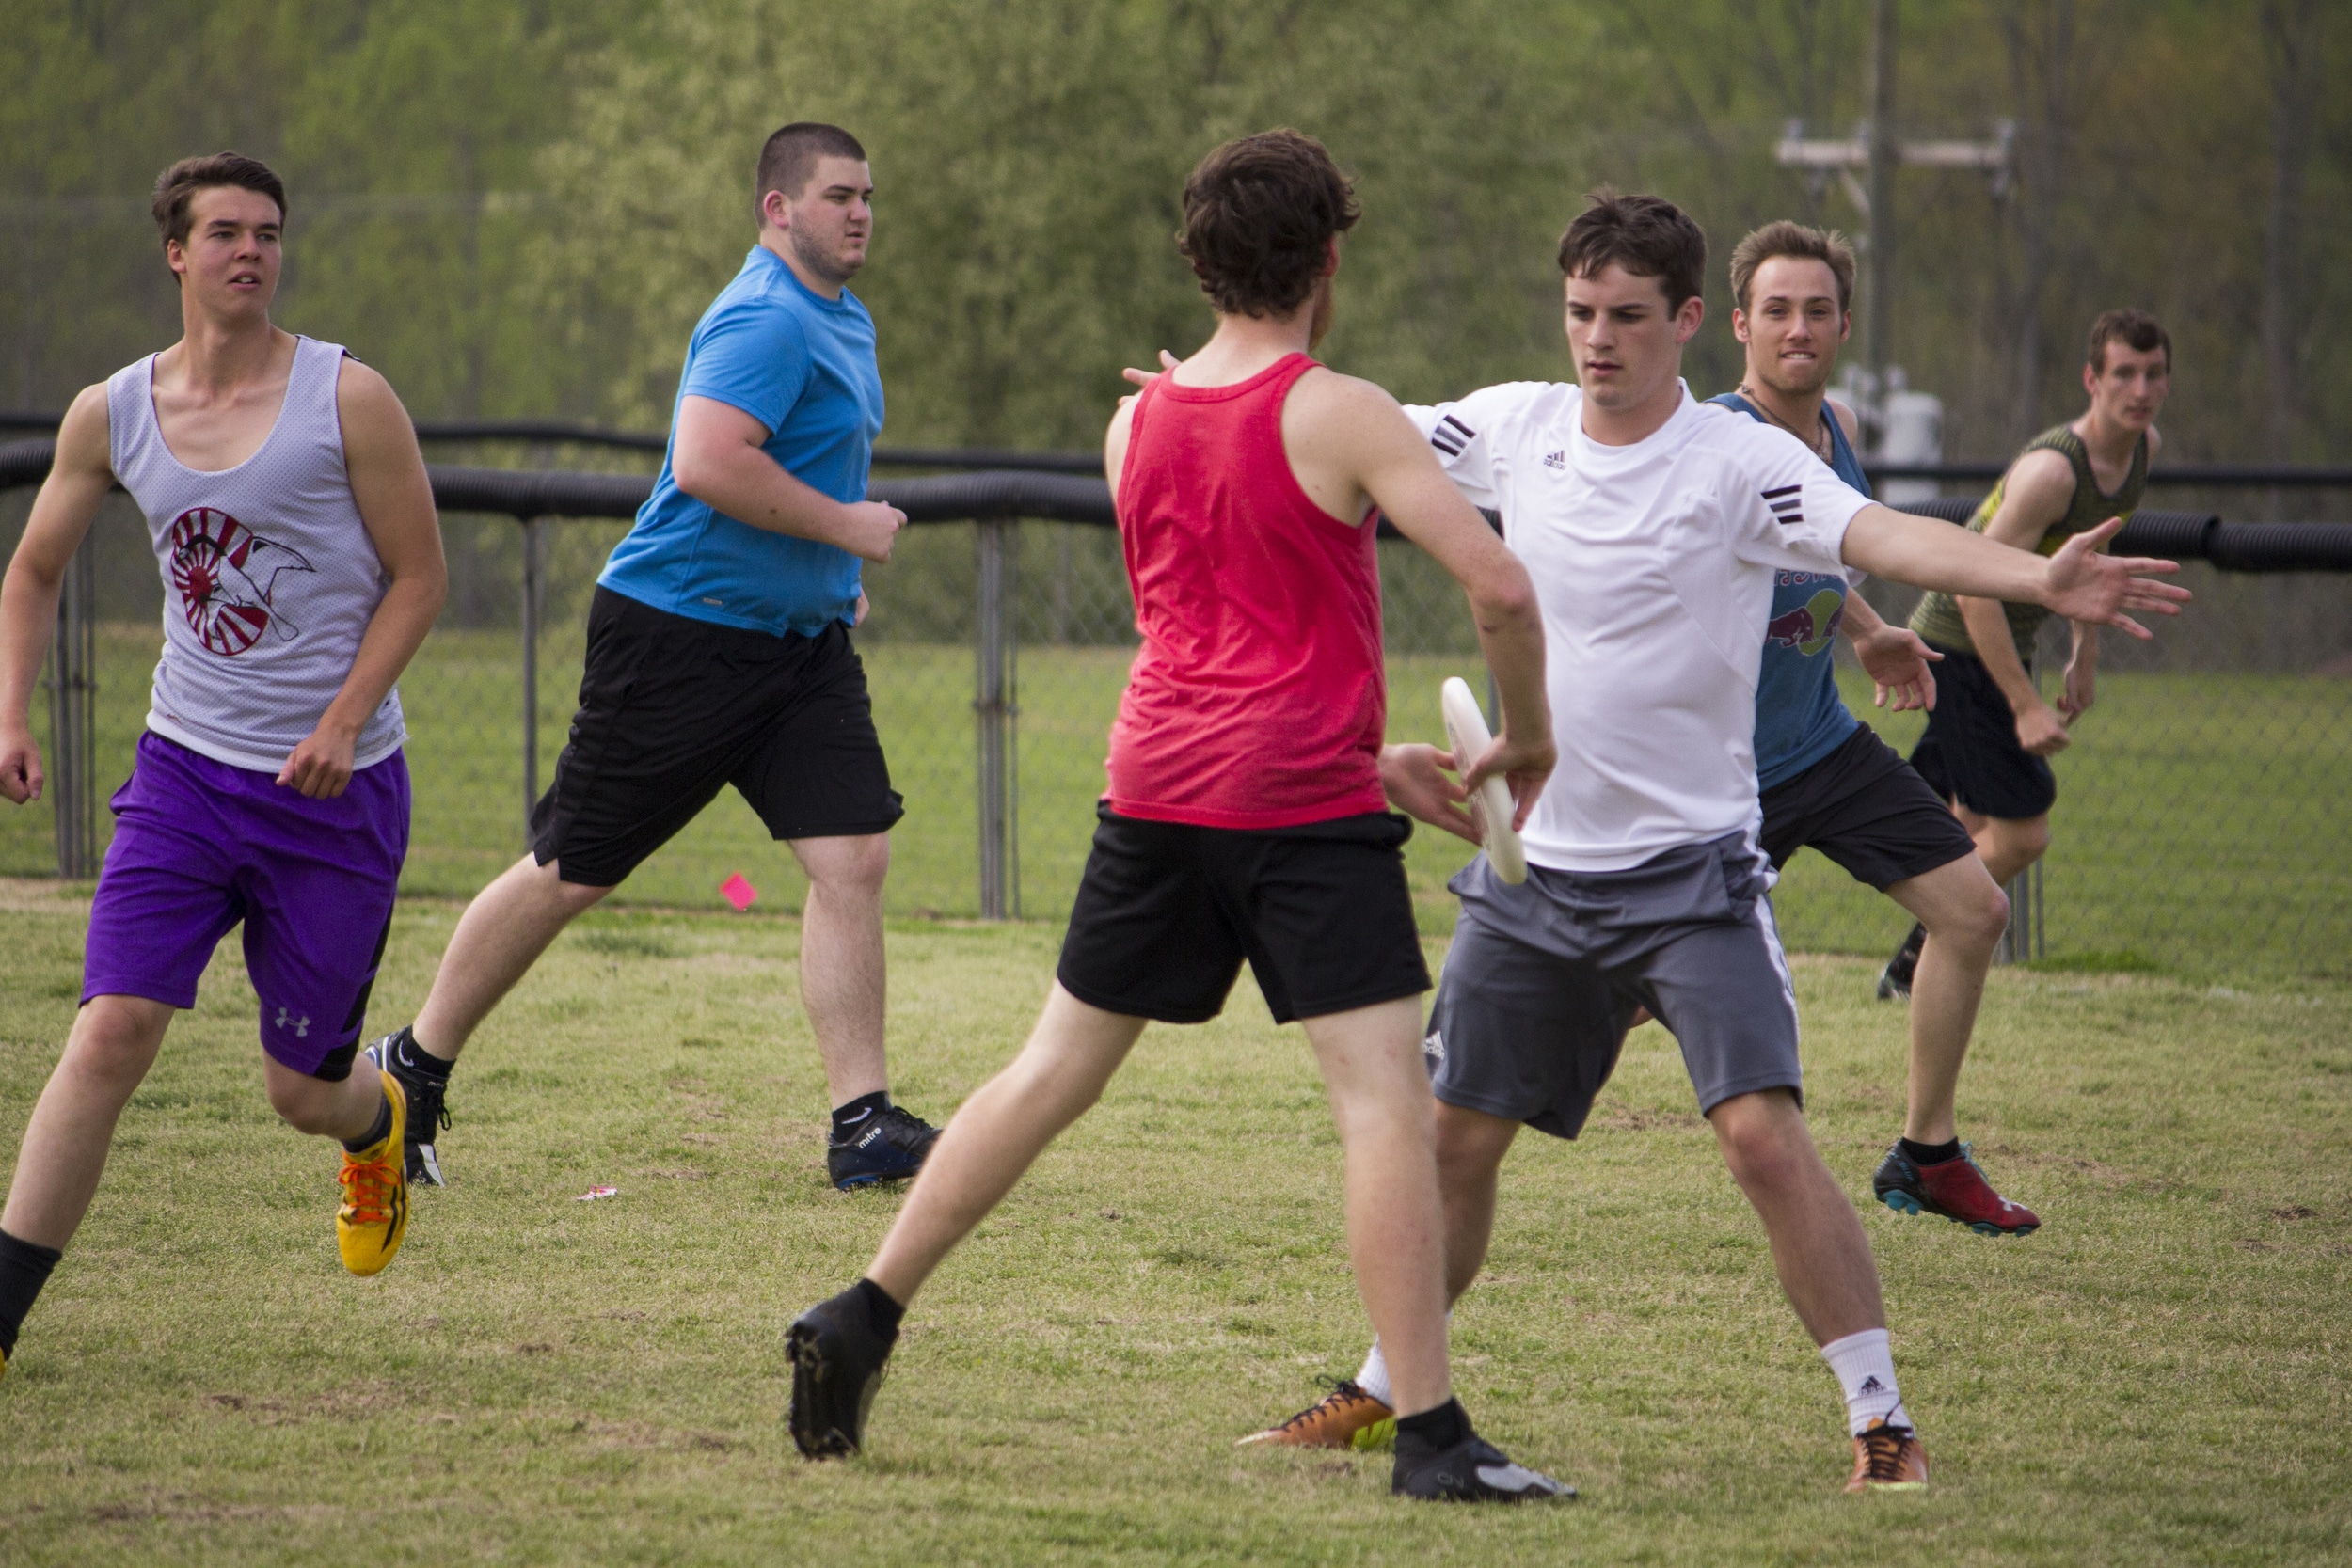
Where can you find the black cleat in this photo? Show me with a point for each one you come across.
(427, 1115)
(889, 1146)
(1472, 1471)
(1895, 979)
(837, 1358)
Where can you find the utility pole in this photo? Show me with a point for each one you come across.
(1878, 316)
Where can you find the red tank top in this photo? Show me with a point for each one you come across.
(1258, 699)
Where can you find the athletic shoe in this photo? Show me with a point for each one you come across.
(1888, 1459)
(1472, 1471)
(889, 1146)
(427, 1114)
(1347, 1417)
(374, 1220)
(1895, 979)
(837, 1358)
(1954, 1188)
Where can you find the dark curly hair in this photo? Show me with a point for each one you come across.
(1647, 235)
(1259, 216)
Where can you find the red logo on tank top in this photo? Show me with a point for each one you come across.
(225, 574)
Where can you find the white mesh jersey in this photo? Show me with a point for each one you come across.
(270, 578)
(1654, 565)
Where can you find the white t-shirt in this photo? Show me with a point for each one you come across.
(1654, 566)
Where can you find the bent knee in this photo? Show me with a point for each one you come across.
(2027, 840)
(1764, 1143)
(848, 866)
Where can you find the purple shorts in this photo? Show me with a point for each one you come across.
(200, 845)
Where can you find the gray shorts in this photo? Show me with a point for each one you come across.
(1544, 977)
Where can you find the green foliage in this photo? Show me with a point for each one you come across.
(521, 208)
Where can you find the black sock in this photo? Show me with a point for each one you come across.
(1440, 1427)
(846, 1117)
(24, 1270)
(885, 1311)
(415, 1060)
(376, 1130)
(1931, 1154)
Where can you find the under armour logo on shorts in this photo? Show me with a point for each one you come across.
(301, 1026)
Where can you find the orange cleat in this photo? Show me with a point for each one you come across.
(1888, 1459)
(1347, 1417)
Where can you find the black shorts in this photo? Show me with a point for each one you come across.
(672, 708)
(1970, 753)
(1166, 913)
(1864, 807)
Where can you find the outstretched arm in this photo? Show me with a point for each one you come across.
(395, 500)
(2077, 582)
(78, 480)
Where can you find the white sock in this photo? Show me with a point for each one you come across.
(1373, 1378)
(1865, 1370)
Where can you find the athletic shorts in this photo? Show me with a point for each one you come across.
(1166, 913)
(671, 709)
(199, 846)
(1867, 809)
(1543, 979)
(1970, 753)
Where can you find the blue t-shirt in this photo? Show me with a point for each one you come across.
(802, 366)
(1799, 719)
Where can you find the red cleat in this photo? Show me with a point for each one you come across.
(1955, 1189)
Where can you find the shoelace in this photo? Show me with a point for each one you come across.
(1884, 1449)
(368, 1187)
(1343, 1391)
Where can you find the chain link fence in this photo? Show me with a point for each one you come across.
(2201, 824)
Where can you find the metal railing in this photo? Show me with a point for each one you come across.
(1037, 603)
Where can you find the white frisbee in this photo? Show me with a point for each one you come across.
(1468, 738)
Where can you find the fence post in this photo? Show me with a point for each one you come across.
(2021, 939)
(73, 718)
(992, 709)
(531, 575)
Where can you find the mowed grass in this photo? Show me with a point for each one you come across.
(2160, 1375)
(2199, 829)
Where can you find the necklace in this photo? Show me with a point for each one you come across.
(1819, 443)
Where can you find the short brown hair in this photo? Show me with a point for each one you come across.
(1784, 238)
(2134, 329)
(1259, 213)
(788, 159)
(1647, 235)
(177, 186)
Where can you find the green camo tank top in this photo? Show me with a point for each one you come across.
(1937, 619)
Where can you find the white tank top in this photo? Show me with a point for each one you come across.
(270, 578)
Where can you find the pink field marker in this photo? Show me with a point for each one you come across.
(735, 890)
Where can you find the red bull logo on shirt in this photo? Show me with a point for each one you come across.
(225, 576)
(1809, 628)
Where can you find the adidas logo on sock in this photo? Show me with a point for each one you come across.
(1872, 1385)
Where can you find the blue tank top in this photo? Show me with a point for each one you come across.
(1799, 719)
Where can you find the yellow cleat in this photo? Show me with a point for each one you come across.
(374, 1216)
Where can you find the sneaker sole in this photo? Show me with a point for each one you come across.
(814, 1436)
(1903, 1203)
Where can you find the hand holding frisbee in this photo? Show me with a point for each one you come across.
(1491, 803)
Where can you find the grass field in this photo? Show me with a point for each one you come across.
(2160, 1375)
(2199, 828)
